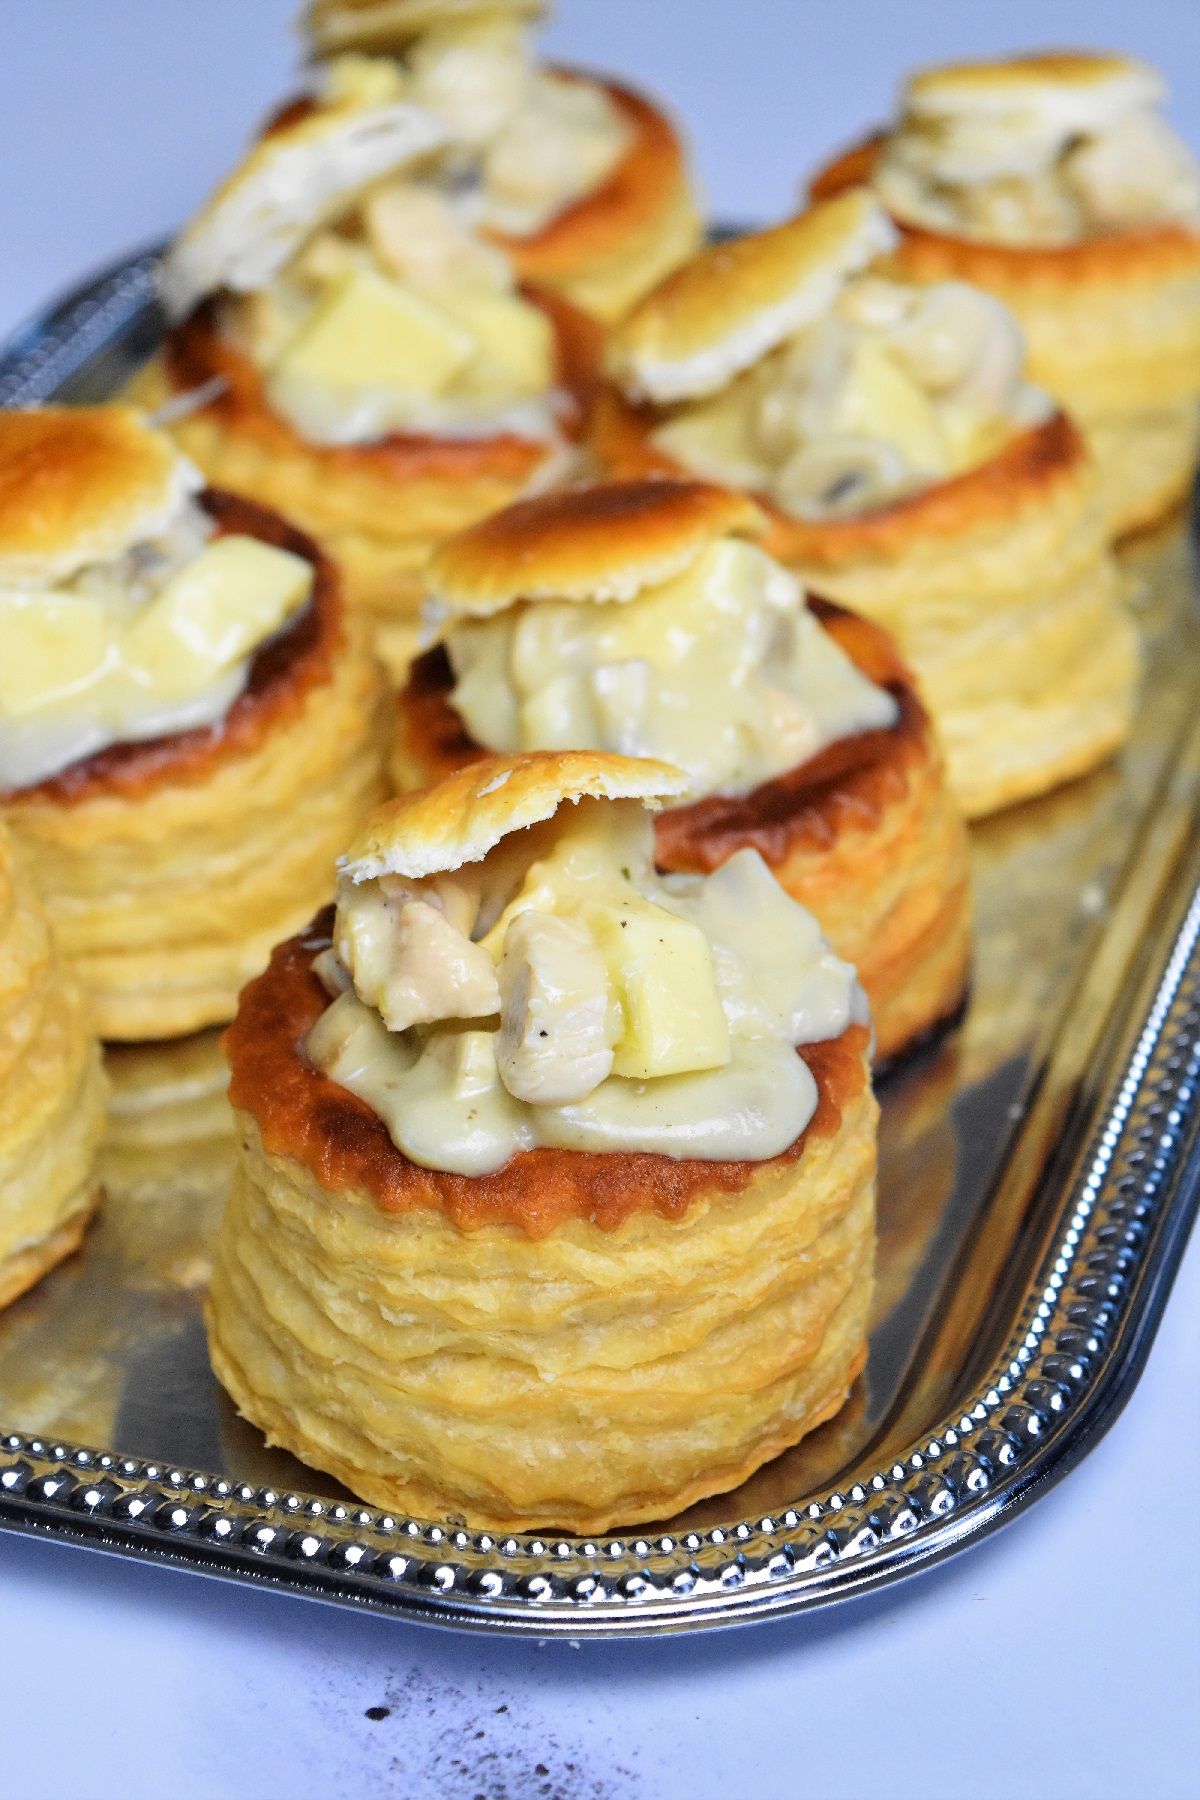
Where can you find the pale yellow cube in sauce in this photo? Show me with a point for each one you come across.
(53, 645)
(881, 401)
(372, 332)
(661, 970)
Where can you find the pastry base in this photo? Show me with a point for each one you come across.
(22, 1269)
(581, 1379)
(166, 903)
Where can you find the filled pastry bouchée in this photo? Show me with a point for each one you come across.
(348, 350)
(555, 1198)
(1053, 181)
(582, 182)
(52, 1091)
(637, 617)
(189, 728)
(909, 470)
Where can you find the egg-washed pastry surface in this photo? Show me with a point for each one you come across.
(582, 182)
(520, 1234)
(187, 730)
(993, 575)
(636, 617)
(1053, 181)
(52, 1091)
(350, 351)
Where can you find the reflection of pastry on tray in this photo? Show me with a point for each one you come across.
(169, 1123)
(188, 731)
(349, 350)
(1054, 181)
(51, 1093)
(910, 471)
(566, 1232)
(579, 180)
(636, 617)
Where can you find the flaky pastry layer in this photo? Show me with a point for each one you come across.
(582, 1378)
(52, 1093)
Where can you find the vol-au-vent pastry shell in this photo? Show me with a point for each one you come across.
(169, 867)
(394, 1325)
(52, 1092)
(998, 587)
(378, 509)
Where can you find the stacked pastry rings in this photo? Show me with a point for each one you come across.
(170, 867)
(378, 509)
(52, 1092)
(864, 834)
(1112, 325)
(577, 1339)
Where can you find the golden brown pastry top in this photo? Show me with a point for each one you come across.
(604, 542)
(341, 1141)
(464, 817)
(733, 302)
(78, 485)
(1097, 77)
(282, 673)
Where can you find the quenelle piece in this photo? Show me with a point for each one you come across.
(555, 1196)
(579, 180)
(909, 470)
(52, 1091)
(1053, 181)
(642, 618)
(348, 349)
(188, 725)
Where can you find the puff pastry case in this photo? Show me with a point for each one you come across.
(189, 725)
(554, 1201)
(1053, 181)
(910, 469)
(644, 617)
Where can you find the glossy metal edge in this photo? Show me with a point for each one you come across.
(1101, 1190)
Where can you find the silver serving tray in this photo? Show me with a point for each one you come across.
(1039, 1174)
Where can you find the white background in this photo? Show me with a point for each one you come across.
(1061, 1661)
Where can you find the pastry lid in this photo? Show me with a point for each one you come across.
(733, 302)
(465, 816)
(80, 484)
(1071, 89)
(332, 26)
(293, 180)
(605, 542)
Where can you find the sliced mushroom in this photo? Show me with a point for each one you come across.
(962, 345)
(839, 477)
(558, 1022)
(1135, 172)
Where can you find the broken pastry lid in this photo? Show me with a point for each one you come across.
(508, 971)
(122, 617)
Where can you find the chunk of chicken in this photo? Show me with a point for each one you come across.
(408, 954)
(558, 1021)
(417, 237)
(1135, 173)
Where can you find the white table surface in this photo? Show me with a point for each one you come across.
(1060, 1661)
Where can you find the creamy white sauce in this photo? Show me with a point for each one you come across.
(722, 671)
(439, 1087)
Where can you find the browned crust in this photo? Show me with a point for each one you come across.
(1029, 466)
(282, 674)
(194, 352)
(844, 787)
(640, 190)
(578, 539)
(1149, 254)
(25, 1268)
(345, 1145)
